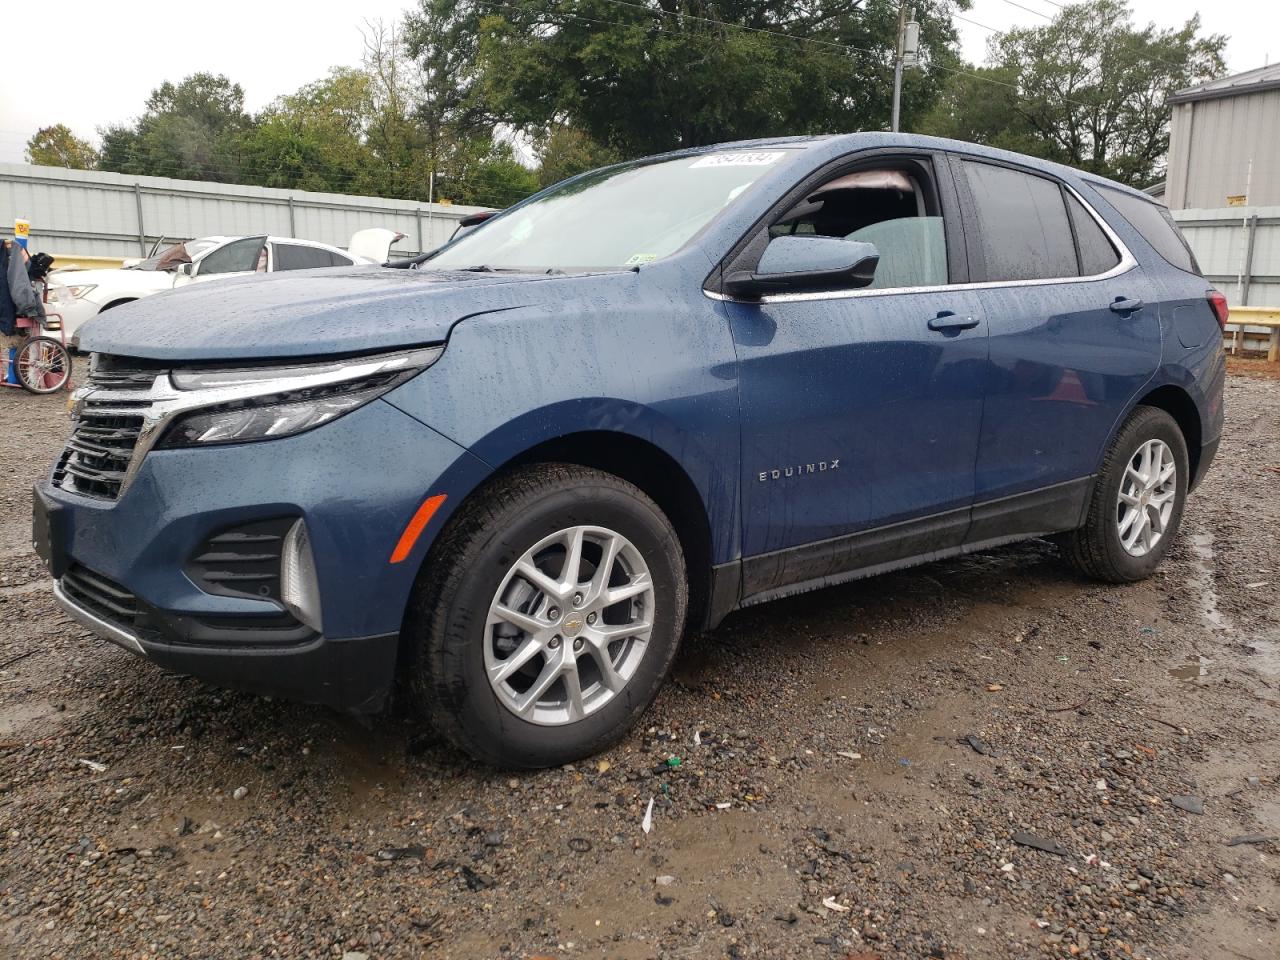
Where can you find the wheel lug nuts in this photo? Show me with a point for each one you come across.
(577, 599)
(553, 613)
(577, 644)
(591, 618)
(553, 643)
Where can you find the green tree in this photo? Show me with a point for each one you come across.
(500, 179)
(564, 151)
(649, 75)
(57, 146)
(313, 139)
(189, 130)
(1089, 89)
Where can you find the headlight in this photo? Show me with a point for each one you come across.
(78, 290)
(261, 403)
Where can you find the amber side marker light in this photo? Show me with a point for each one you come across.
(421, 518)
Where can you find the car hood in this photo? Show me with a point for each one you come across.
(306, 313)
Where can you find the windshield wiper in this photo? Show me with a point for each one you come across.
(486, 268)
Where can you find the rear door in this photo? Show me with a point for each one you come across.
(1073, 333)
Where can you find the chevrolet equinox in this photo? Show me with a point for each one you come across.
(507, 482)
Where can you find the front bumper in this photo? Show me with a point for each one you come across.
(75, 314)
(354, 482)
(353, 675)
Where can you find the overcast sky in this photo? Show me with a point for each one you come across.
(89, 63)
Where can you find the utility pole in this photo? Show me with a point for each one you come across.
(897, 68)
(431, 199)
(907, 56)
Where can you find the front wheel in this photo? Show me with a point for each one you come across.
(1137, 501)
(44, 365)
(547, 616)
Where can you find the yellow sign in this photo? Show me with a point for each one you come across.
(21, 231)
(1237, 200)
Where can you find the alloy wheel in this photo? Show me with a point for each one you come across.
(1146, 500)
(568, 625)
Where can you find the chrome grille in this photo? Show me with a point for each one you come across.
(97, 456)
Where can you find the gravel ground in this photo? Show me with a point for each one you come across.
(986, 757)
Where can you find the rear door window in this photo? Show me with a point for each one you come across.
(1020, 229)
(294, 256)
(1156, 225)
(1097, 253)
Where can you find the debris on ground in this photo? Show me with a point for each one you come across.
(979, 745)
(1024, 839)
(1189, 803)
(1251, 838)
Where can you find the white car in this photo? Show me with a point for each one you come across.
(80, 295)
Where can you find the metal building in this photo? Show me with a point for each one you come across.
(1223, 187)
(1224, 143)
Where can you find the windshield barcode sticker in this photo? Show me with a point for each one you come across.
(738, 159)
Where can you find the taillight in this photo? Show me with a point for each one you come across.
(1218, 303)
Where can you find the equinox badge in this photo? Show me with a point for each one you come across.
(800, 469)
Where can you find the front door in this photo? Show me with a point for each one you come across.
(861, 409)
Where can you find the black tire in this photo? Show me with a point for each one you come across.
(446, 625)
(54, 362)
(1096, 549)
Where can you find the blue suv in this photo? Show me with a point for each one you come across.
(507, 482)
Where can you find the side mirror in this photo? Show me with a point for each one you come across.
(186, 270)
(807, 264)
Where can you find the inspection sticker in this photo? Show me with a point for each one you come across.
(739, 158)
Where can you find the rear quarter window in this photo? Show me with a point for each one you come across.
(1097, 255)
(1156, 225)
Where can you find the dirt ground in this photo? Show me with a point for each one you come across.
(986, 757)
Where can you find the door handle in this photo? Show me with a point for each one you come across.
(1122, 305)
(946, 322)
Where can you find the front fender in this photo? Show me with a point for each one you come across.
(639, 360)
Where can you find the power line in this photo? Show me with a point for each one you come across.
(956, 16)
(1038, 13)
(658, 11)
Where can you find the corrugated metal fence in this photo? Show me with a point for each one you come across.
(86, 213)
(1239, 251)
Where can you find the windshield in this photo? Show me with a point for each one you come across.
(170, 257)
(618, 217)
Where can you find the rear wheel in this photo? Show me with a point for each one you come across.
(44, 365)
(1137, 501)
(548, 616)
